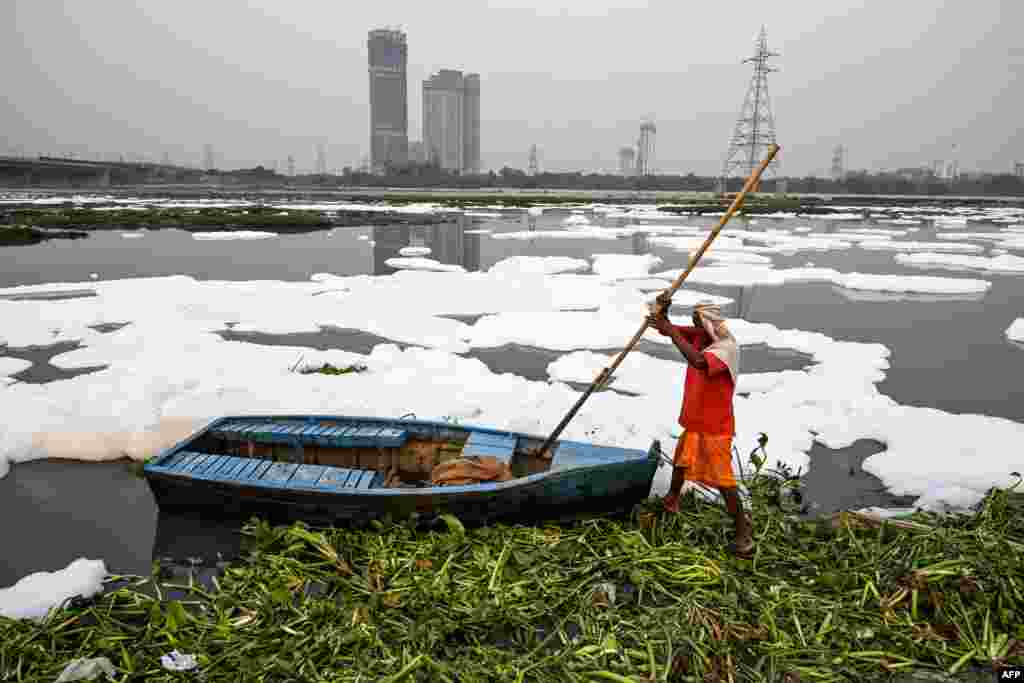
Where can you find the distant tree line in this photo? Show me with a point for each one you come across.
(432, 175)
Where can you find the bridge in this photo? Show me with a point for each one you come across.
(43, 170)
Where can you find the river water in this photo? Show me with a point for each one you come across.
(947, 353)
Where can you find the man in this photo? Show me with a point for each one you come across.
(704, 451)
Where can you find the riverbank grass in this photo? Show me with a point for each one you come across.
(654, 597)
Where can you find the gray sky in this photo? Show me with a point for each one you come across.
(896, 81)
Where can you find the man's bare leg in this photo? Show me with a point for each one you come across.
(744, 535)
(672, 499)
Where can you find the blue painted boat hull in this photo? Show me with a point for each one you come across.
(205, 473)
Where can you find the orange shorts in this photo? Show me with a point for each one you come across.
(707, 459)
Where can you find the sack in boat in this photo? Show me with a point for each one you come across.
(471, 470)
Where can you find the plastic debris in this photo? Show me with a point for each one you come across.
(176, 661)
(86, 669)
(604, 595)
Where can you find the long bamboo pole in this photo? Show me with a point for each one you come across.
(605, 374)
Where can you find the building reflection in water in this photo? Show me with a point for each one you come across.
(448, 243)
(744, 300)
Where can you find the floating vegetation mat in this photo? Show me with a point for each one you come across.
(654, 597)
(328, 369)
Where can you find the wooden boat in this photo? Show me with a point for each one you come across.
(335, 468)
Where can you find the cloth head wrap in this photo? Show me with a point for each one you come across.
(723, 344)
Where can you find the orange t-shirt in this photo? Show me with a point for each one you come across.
(707, 396)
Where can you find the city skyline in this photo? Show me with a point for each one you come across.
(896, 85)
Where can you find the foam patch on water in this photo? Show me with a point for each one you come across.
(902, 245)
(482, 214)
(236, 235)
(424, 264)
(841, 217)
(35, 595)
(981, 236)
(414, 251)
(12, 366)
(744, 275)
(538, 265)
(624, 266)
(589, 234)
(997, 264)
(1015, 332)
(124, 409)
(133, 235)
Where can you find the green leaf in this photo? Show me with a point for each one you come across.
(454, 525)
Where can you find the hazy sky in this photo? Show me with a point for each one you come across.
(896, 81)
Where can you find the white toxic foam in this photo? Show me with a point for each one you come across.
(424, 264)
(587, 234)
(576, 219)
(902, 245)
(624, 266)
(35, 595)
(538, 265)
(414, 251)
(12, 366)
(1015, 331)
(124, 408)
(997, 264)
(744, 275)
(236, 235)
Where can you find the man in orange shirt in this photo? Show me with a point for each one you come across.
(704, 451)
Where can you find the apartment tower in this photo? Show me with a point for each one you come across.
(451, 120)
(389, 112)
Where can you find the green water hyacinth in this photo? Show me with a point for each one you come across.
(651, 597)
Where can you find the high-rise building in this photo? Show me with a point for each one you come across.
(451, 120)
(627, 161)
(471, 123)
(1018, 169)
(389, 112)
(417, 152)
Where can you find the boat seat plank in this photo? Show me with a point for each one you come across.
(363, 436)
(503, 454)
(307, 475)
(494, 445)
(174, 459)
(247, 469)
(344, 435)
(188, 461)
(208, 466)
(256, 472)
(246, 431)
(230, 467)
(333, 478)
(343, 478)
(392, 437)
(365, 480)
(483, 438)
(195, 462)
(279, 472)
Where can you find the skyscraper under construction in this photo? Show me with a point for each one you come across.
(389, 111)
(451, 120)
